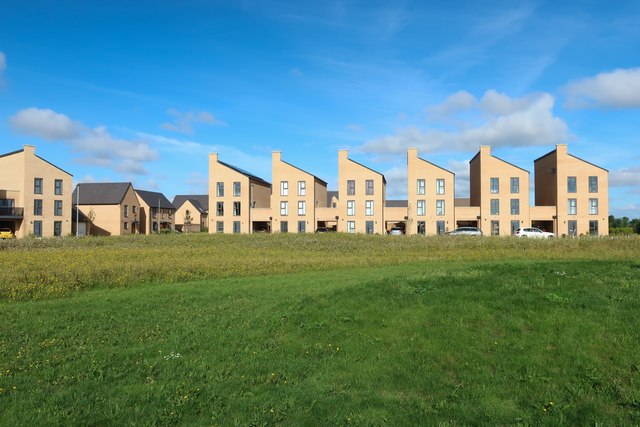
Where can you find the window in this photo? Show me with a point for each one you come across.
(593, 185)
(351, 226)
(515, 224)
(495, 185)
(573, 207)
(302, 188)
(368, 207)
(351, 187)
(155, 226)
(421, 208)
(440, 227)
(351, 207)
(515, 185)
(220, 208)
(236, 227)
(284, 208)
(57, 207)
(126, 211)
(593, 228)
(37, 186)
(57, 187)
(495, 228)
(37, 228)
(302, 227)
(495, 206)
(236, 189)
(284, 226)
(421, 227)
(220, 189)
(369, 184)
(302, 208)
(571, 184)
(125, 224)
(593, 206)
(133, 209)
(369, 227)
(57, 228)
(440, 207)
(37, 207)
(219, 226)
(421, 187)
(439, 186)
(515, 206)
(284, 188)
(236, 208)
(572, 228)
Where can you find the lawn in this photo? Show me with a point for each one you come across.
(366, 331)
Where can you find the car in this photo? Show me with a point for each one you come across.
(322, 230)
(533, 232)
(396, 231)
(6, 233)
(466, 231)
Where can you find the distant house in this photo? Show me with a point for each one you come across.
(156, 212)
(111, 208)
(192, 212)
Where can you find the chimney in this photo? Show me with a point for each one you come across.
(485, 150)
(29, 149)
(343, 154)
(276, 156)
(561, 149)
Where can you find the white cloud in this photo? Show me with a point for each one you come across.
(96, 146)
(500, 121)
(3, 65)
(618, 89)
(459, 101)
(183, 121)
(396, 182)
(625, 177)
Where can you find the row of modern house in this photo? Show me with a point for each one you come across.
(570, 197)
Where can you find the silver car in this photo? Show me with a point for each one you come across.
(466, 231)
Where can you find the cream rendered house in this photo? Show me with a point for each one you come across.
(35, 195)
(112, 208)
(191, 212)
(156, 212)
(296, 198)
(362, 197)
(239, 202)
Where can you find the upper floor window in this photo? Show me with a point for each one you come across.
(421, 208)
(133, 209)
(351, 187)
(126, 211)
(236, 208)
(440, 207)
(515, 206)
(571, 184)
(515, 185)
(220, 208)
(37, 186)
(302, 208)
(593, 184)
(57, 207)
(495, 206)
(284, 188)
(368, 207)
(369, 184)
(220, 189)
(57, 187)
(495, 185)
(351, 207)
(37, 207)
(439, 186)
(284, 208)
(302, 188)
(593, 206)
(421, 187)
(236, 189)
(573, 207)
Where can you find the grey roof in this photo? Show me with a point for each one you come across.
(397, 203)
(101, 193)
(155, 199)
(244, 172)
(200, 201)
(330, 195)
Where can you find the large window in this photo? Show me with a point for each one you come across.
(302, 208)
(37, 207)
(57, 187)
(236, 189)
(421, 208)
(368, 207)
(369, 184)
(495, 228)
(236, 227)
(37, 228)
(57, 207)
(284, 208)
(236, 208)
(515, 224)
(572, 228)
(351, 226)
(421, 227)
(302, 227)
(284, 226)
(593, 206)
(573, 207)
(571, 184)
(515, 206)
(593, 228)
(220, 208)
(284, 188)
(220, 189)
(351, 207)
(369, 227)
(439, 207)
(495, 185)
(495, 206)
(439, 186)
(126, 211)
(593, 184)
(219, 226)
(515, 185)
(302, 188)
(57, 228)
(351, 187)
(421, 187)
(440, 229)
(37, 186)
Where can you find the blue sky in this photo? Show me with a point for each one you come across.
(143, 91)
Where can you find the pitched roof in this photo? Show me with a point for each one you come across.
(384, 180)
(397, 203)
(331, 195)
(200, 201)
(101, 193)
(44, 160)
(244, 172)
(302, 170)
(570, 155)
(155, 199)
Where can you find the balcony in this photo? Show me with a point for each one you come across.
(11, 213)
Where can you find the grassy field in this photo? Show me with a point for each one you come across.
(327, 330)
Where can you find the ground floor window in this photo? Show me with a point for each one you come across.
(284, 226)
(155, 226)
(440, 227)
(495, 228)
(515, 224)
(219, 226)
(572, 228)
(37, 228)
(302, 227)
(236, 227)
(126, 225)
(421, 227)
(351, 226)
(57, 228)
(369, 227)
(593, 228)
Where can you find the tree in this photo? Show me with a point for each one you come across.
(91, 216)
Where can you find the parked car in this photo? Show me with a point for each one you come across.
(533, 232)
(466, 231)
(396, 231)
(6, 233)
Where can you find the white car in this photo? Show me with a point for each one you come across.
(533, 232)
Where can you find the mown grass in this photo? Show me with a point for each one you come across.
(497, 341)
(33, 269)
